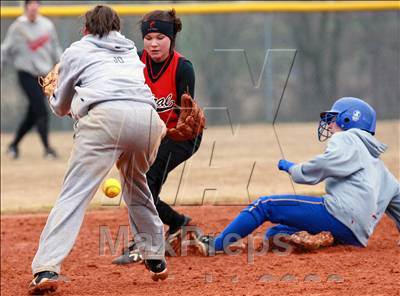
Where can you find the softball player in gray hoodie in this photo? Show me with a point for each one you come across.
(359, 187)
(101, 85)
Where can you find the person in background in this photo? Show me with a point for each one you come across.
(32, 45)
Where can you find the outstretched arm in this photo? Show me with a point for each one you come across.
(60, 101)
(340, 159)
(8, 45)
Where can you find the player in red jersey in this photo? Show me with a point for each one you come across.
(169, 76)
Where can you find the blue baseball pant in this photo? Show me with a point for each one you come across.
(292, 213)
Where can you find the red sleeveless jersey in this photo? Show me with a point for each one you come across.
(164, 88)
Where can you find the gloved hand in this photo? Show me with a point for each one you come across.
(191, 121)
(285, 165)
(50, 81)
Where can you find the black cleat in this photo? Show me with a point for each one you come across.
(129, 255)
(43, 282)
(13, 151)
(205, 245)
(173, 230)
(173, 236)
(158, 269)
(50, 153)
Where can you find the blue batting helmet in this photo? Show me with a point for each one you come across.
(348, 113)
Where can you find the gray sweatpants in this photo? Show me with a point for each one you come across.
(125, 132)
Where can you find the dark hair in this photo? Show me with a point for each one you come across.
(101, 20)
(166, 16)
(27, 2)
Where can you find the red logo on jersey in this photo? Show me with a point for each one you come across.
(34, 45)
(164, 104)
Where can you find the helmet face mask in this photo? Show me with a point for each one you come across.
(326, 118)
(348, 113)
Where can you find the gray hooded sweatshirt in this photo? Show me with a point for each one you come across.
(95, 70)
(32, 47)
(359, 187)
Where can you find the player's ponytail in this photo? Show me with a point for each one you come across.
(101, 20)
(176, 20)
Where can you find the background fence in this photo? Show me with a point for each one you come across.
(351, 53)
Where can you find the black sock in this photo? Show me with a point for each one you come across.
(23, 128)
(168, 215)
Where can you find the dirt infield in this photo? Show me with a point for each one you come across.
(333, 271)
(234, 165)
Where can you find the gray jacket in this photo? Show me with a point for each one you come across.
(359, 187)
(32, 47)
(95, 70)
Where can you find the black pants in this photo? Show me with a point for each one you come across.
(170, 155)
(37, 113)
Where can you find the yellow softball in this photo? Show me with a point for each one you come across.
(111, 187)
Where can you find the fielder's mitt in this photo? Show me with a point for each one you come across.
(191, 121)
(49, 82)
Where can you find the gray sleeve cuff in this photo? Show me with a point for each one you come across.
(296, 173)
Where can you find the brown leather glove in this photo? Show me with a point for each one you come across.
(49, 82)
(191, 121)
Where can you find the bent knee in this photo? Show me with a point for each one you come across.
(258, 209)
